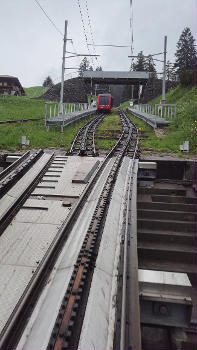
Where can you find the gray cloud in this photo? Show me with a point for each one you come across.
(31, 48)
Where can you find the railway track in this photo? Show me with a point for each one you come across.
(79, 294)
(16, 185)
(68, 325)
(69, 321)
(84, 143)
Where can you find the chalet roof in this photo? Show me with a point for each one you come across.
(10, 78)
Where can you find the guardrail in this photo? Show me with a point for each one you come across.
(52, 108)
(71, 113)
(167, 111)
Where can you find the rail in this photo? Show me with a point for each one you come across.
(83, 143)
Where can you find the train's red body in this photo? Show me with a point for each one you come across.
(104, 102)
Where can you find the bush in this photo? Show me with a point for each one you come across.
(188, 77)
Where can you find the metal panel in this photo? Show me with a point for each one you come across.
(165, 298)
(38, 330)
(52, 213)
(13, 280)
(25, 243)
(65, 186)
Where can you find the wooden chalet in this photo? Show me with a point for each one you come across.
(10, 85)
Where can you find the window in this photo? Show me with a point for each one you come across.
(5, 83)
(104, 100)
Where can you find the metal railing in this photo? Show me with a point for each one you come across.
(166, 111)
(52, 108)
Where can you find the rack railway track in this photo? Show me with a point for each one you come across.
(75, 325)
(76, 294)
(84, 143)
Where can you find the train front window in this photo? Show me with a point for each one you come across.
(104, 100)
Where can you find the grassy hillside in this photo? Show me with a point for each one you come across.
(10, 135)
(18, 107)
(35, 91)
(182, 128)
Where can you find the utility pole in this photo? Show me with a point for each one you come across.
(61, 111)
(164, 73)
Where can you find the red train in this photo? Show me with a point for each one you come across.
(104, 103)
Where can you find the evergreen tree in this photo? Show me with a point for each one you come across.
(84, 65)
(140, 63)
(48, 82)
(99, 68)
(150, 66)
(186, 53)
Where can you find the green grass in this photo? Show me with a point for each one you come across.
(18, 107)
(110, 124)
(10, 135)
(182, 128)
(35, 91)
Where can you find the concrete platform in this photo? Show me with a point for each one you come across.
(25, 242)
(64, 170)
(40, 325)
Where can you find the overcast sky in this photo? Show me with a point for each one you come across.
(31, 48)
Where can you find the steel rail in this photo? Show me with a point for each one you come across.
(130, 272)
(21, 168)
(6, 171)
(8, 216)
(127, 329)
(80, 144)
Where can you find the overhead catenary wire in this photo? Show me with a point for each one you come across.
(83, 24)
(111, 45)
(131, 29)
(51, 21)
(90, 27)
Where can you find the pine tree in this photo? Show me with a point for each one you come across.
(186, 53)
(99, 68)
(84, 65)
(150, 66)
(140, 63)
(48, 82)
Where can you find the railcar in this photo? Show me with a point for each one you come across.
(104, 103)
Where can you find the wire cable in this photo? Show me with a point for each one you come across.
(131, 29)
(83, 24)
(90, 26)
(54, 25)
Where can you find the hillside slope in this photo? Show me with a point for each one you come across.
(182, 128)
(35, 91)
(186, 112)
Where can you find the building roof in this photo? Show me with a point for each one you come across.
(115, 77)
(10, 78)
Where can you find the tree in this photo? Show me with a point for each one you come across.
(140, 63)
(186, 56)
(150, 66)
(48, 82)
(84, 65)
(99, 68)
